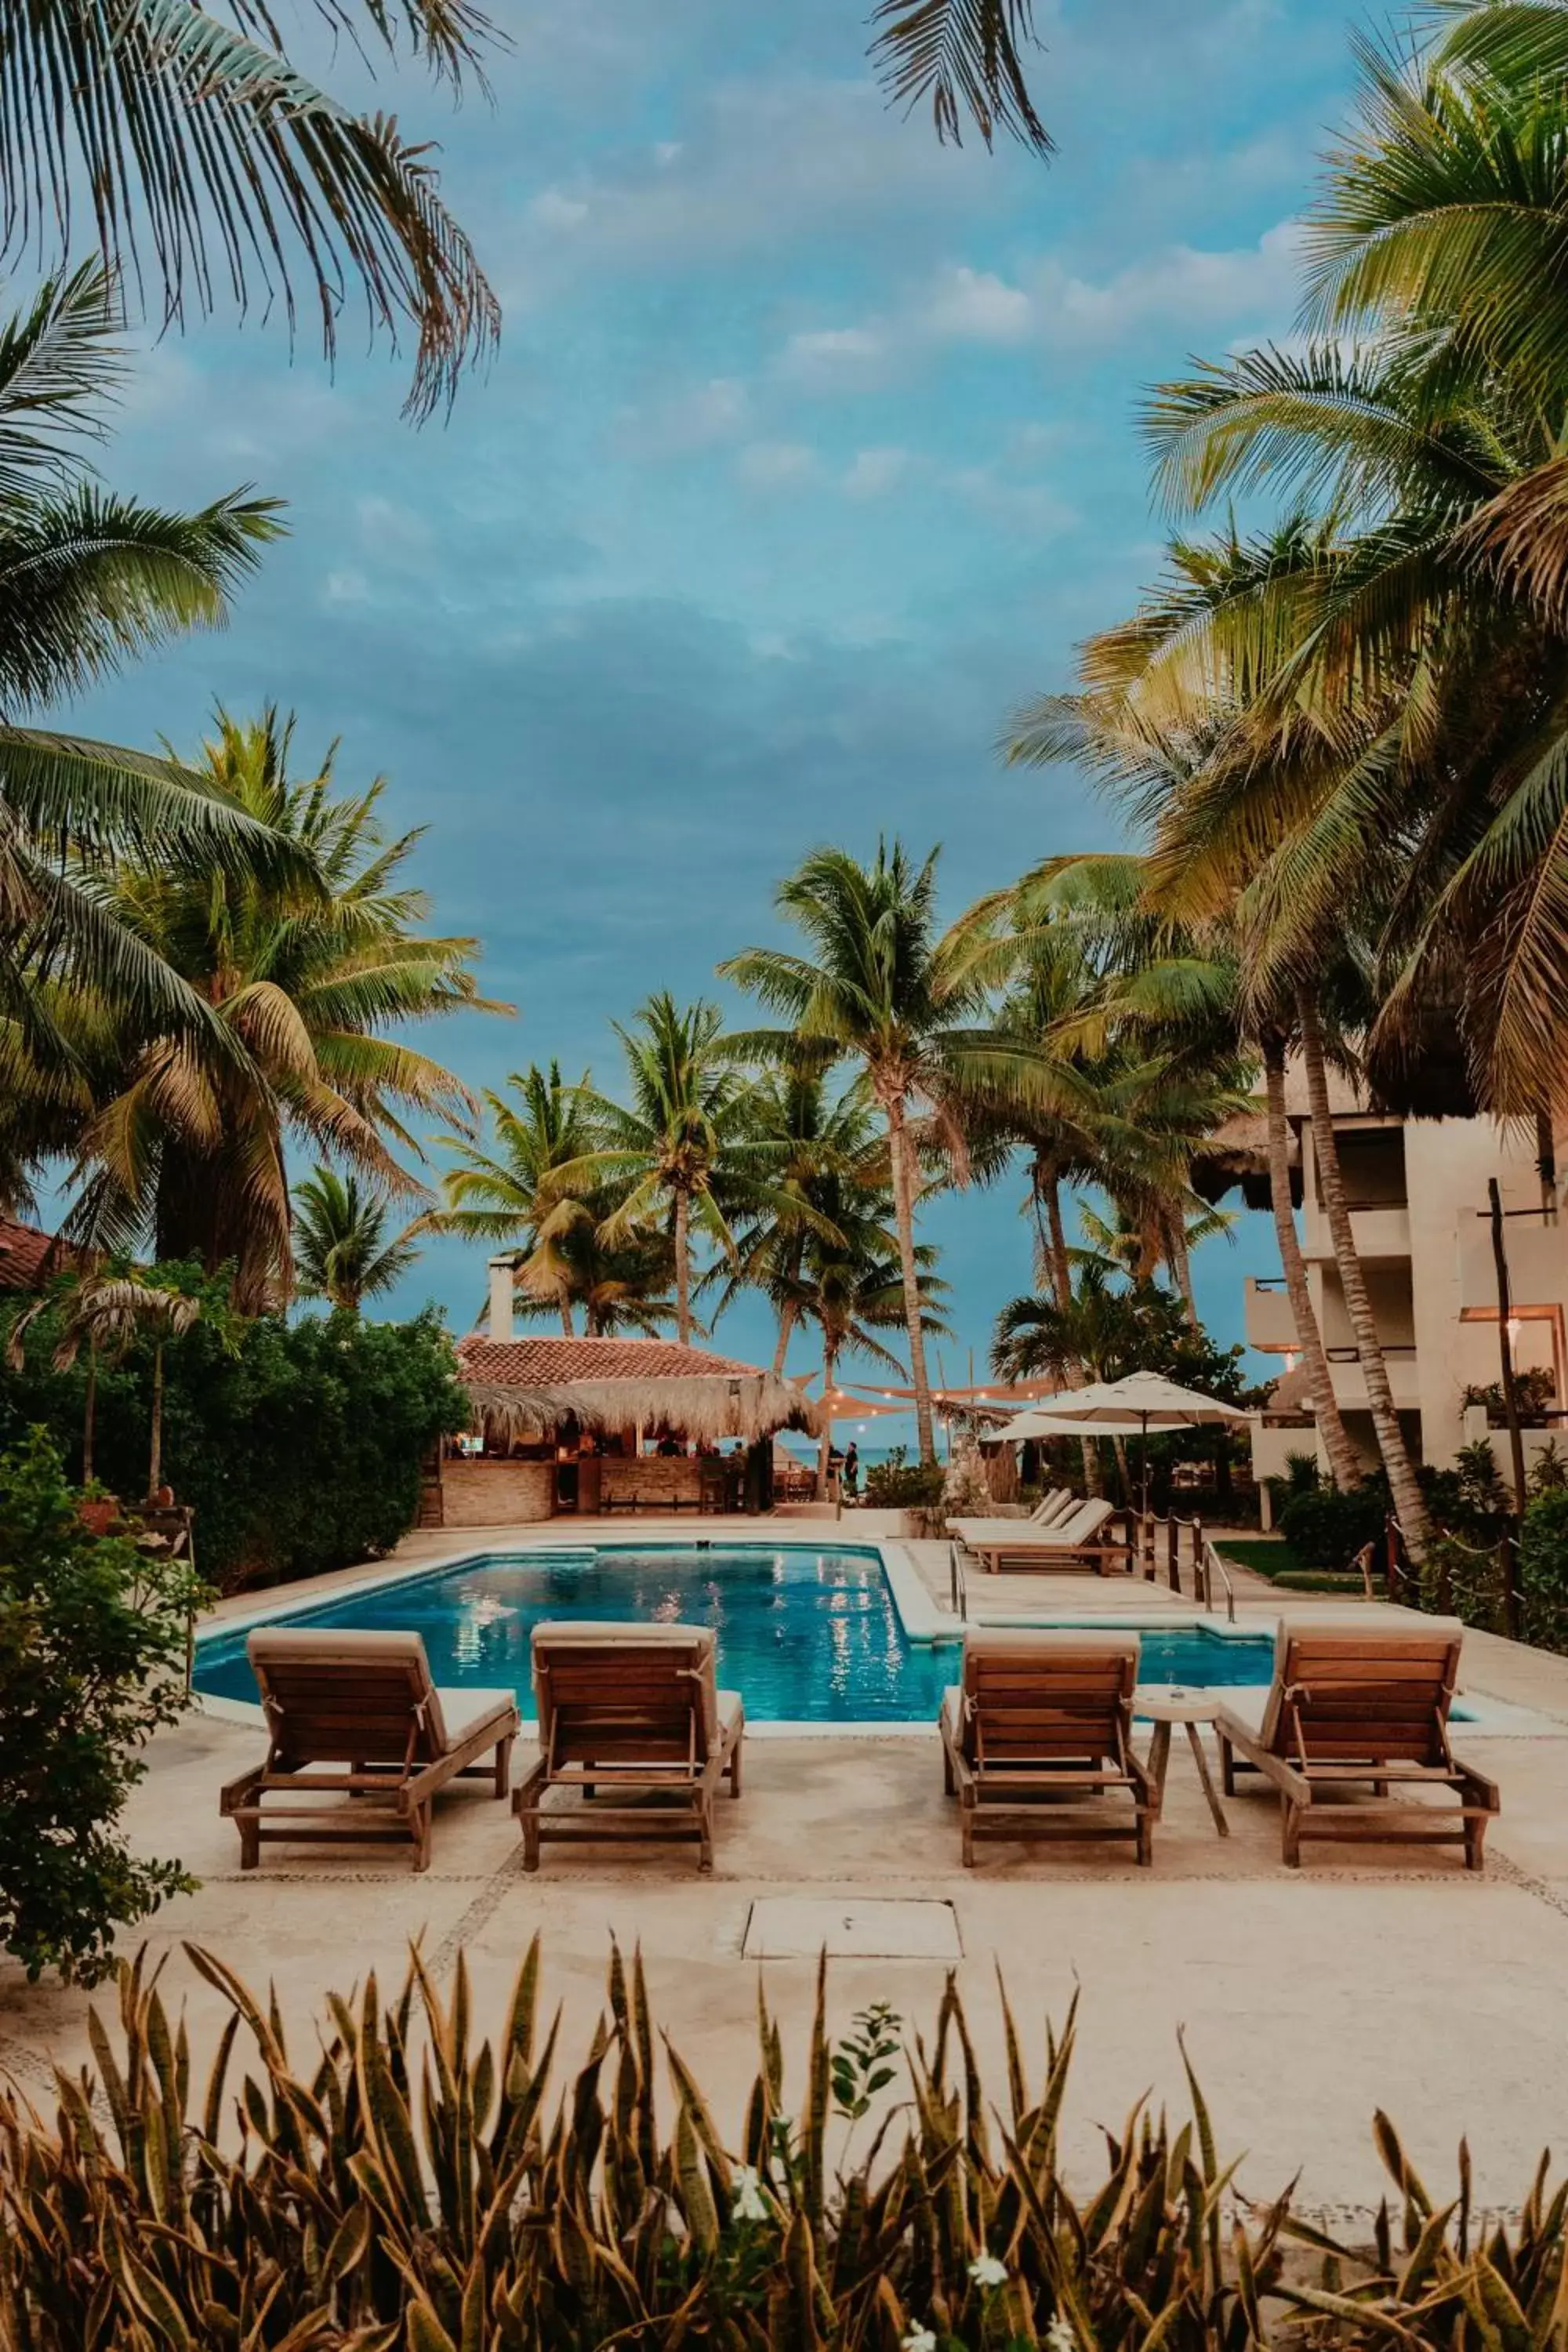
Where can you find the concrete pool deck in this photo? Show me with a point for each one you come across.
(1373, 1977)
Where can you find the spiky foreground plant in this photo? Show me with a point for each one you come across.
(417, 2190)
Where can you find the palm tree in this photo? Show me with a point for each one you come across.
(683, 1153)
(883, 988)
(962, 59)
(824, 1141)
(511, 1195)
(108, 1309)
(88, 580)
(186, 1146)
(341, 1250)
(204, 158)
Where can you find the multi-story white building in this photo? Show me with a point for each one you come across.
(1417, 1191)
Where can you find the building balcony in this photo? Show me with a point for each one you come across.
(1536, 1262)
(1350, 1380)
(1270, 1324)
(1379, 1232)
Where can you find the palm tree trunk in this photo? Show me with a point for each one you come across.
(89, 1414)
(1060, 1263)
(788, 1315)
(904, 1216)
(1179, 1259)
(1343, 1467)
(824, 1442)
(1546, 1161)
(567, 1325)
(1123, 1473)
(682, 1268)
(1407, 1502)
(1061, 1284)
(155, 1461)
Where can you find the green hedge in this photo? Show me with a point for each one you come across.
(298, 1443)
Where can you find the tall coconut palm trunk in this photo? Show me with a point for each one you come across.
(683, 1267)
(904, 1218)
(1407, 1502)
(1178, 1257)
(824, 1442)
(1061, 1284)
(1342, 1465)
(788, 1315)
(155, 1454)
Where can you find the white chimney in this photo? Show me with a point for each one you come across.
(501, 1271)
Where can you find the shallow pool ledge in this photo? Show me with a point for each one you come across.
(923, 1618)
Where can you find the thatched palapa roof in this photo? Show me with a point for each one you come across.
(527, 1387)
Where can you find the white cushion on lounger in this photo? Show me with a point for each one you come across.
(463, 1711)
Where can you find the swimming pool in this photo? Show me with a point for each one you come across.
(807, 1634)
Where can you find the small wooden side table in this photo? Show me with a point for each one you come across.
(1191, 1709)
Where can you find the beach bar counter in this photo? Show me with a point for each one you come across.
(584, 1428)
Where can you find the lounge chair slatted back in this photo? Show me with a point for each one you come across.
(633, 1709)
(364, 1704)
(1361, 1702)
(1040, 1717)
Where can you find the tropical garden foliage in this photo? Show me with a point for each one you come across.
(93, 1645)
(297, 1443)
(412, 2182)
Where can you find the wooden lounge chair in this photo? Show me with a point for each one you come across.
(1083, 1540)
(1360, 1704)
(634, 1711)
(1040, 1717)
(1052, 1508)
(365, 1704)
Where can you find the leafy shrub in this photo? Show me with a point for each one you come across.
(899, 1484)
(1544, 1570)
(298, 1444)
(414, 2193)
(1535, 1394)
(1328, 1528)
(1549, 1470)
(92, 1639)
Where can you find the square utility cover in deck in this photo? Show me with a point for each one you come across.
(785, 1927)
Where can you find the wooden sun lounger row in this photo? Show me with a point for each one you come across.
(1077, 1535)
(1036, 1736)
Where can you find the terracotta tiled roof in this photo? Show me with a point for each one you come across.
(23, 1250)
(546, 1363)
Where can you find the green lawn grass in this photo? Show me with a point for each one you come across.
(1284, 1566)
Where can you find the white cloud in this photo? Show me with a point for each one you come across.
(874, 472)
(1236, 293)
(345, 588)
(760, 165)
(553, 209)
(1031, 507)
(775, 465)
(694, 417)
(974, 306)
(833, 359)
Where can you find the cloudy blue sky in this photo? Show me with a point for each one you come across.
(809, 453)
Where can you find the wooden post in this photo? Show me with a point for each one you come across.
(1505, 1350)
(1173, 1554)
(1391, 1556)
(1508, 1557)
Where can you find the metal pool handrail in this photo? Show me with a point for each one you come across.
(1211, 1560)
(957, 1583)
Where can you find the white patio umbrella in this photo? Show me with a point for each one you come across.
(1143, 1400)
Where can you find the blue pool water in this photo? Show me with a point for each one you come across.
(807, 1635)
